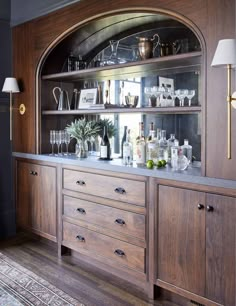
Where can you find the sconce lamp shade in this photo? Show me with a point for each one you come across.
(10, 85)
(225, 53)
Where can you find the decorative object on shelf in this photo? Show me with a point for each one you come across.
(62, 99)
(113, 59)
(166, 87)
(147, 47)
(225, 56)
(75, 99)
(83, 131)
(11, 86)
(87, 97)
(131, 100)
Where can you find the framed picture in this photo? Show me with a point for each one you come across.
(168, 85)
(87, 97)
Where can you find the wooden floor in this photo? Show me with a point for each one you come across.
(92, 288)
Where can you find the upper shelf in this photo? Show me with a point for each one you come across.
(165, 64)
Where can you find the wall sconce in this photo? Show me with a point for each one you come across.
(225, 56)
(10, 85)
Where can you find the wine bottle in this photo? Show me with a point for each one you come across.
(124, 138)
(105, 150)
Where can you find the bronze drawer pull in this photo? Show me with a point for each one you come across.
(80, 238)
(210, 208)
(33, 173)
(120, 221)
(120, 190)
(200, 206)
(81, 183)
(81, 210)
(119, 253)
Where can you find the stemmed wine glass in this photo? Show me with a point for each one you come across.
(67, 141)
(190, 95)
(62, 140)
(58, 141)
(52, 140)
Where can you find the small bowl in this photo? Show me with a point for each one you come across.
(131, 101)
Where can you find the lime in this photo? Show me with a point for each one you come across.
(159, 164)
(150, 164)
(163, 162)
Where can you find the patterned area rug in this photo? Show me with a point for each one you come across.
(21, 287)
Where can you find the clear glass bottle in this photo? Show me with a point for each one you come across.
(175, 155)
(187, 150)
(170, 141)
(141, 147)
(163, 146)
(183, 162)
(127, 150)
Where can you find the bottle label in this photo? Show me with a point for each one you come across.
(140, 158)
(103, 152)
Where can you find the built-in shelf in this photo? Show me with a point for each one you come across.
(162, 110)
(165, 65)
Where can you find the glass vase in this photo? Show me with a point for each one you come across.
(81, 149)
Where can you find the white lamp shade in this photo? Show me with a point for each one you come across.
(225, 53)
(10, 85)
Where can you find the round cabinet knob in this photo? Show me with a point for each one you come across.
(200, 206)
(210, 208)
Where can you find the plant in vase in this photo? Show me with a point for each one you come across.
(83, 131)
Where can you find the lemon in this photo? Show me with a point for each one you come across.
(150, 164)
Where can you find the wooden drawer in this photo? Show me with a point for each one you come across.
(115, 219)
(122, 252)
(119, 189)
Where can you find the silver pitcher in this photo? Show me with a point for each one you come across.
(147, 46)
(62, 99)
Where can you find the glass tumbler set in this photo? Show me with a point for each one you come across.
(59, 138)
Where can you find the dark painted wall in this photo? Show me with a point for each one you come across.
(7, 209)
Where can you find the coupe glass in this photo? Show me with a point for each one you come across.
(180, 94)
(190, 95)
(52, 140)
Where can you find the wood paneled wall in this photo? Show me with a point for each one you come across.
(215, 19)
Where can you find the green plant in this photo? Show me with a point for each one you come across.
(111, 130)
(83, 130)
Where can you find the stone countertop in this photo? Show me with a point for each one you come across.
(191, 175)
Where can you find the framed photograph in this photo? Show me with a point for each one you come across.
(87, 97)
(168, 84)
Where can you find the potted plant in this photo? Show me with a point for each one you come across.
(83, 131)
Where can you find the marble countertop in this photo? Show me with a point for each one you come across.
(191, 175)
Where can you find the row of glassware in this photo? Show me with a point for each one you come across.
(166, 97)
(59, 138)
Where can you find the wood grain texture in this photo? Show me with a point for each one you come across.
(221, 249)
(133, 256)
(181, 239)
(105, 186)
(105, 216)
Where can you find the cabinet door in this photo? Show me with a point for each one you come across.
(181, 239)
(221, 249)
(47, 200)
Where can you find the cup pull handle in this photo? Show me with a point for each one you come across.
(80, 183)
(120, 190)
(81, 210)
(80, 238)
(119, 253)
(33, 173)
(120, 222)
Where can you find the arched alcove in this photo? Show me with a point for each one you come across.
(91, 38)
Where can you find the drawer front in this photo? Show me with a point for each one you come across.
(119, 189)
(115, 219)
(119, 251)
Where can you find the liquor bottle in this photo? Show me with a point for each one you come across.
(170, 141)
(163, 146)
(151, 146)
(187, 150)
(141, 147)
(175, 155)
(127, 150)
(123, 140)
(71, 62)
(105, 150)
